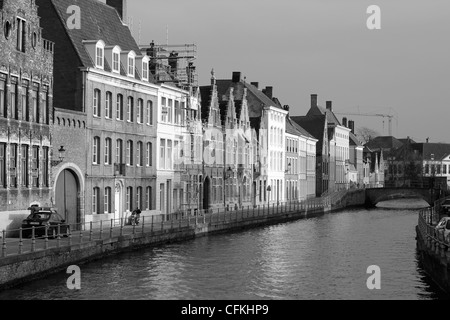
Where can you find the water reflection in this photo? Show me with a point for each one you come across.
(320, 258)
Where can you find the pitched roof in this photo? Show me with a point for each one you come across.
(294, 128)
(314, 125)
(405, 140)
(256, 100)
(354, 140)
(384, 142)
(99, 22)
(318, 110)
(436, 151)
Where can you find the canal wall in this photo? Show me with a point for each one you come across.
(36, 263)
(433, 248)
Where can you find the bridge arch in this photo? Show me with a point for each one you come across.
(376, 195)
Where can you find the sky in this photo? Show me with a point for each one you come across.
(304, 47)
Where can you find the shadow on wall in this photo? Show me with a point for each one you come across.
(12, 221)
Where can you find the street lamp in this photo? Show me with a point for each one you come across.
(62, 153)
(269, 188)
(288, 168)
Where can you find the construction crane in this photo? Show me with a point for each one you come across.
(384, 116)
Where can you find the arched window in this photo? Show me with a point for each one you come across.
(96, 151)
(129, 152)
(108, 146)
(107, 204)
(96, 200)
(140, 111)
(150, 112)
(96, 103)
(119, 107)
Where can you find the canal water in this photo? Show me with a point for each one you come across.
(319, 258)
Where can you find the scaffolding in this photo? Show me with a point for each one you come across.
(173, 63)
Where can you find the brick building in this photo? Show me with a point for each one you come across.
(102, 78)
(26, 80)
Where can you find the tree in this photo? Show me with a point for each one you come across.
(365, 134)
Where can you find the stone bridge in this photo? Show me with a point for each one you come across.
(375, 195)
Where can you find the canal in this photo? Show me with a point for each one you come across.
(318, 258)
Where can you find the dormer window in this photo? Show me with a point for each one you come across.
(100, 55)
(131, 65)
(144, 70)
(116, 63)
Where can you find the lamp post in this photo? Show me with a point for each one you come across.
(269, 188)
(62, 153)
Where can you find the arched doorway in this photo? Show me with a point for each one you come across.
(206, 193)
(66, 196)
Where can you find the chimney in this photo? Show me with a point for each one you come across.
(256, 84)
(344, 122)
(268, 92)
(121, 8)
(329, 105)
(351, 126)
(236, 77)
(313, 100)
(286, 107)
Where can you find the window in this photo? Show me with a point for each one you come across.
(150, 112)
(427, 168)
(107, 205)
(130, 106)
(13, 101)
(177, 112)
(24, 104)
(140, 111)
(129, 199)
(148, 158)
(119, 111)
(24, 165)
(35, 106)
(144, 70)
(139, 198)
(35, 167)
(139, 153)
(45, 108)
(162, 157)
(169, 111)
(21, 34)
(444, 169)
(108, 143)
(129, 152)
(115, 64)
(163, 110)
(13, 165)
(96, 151)
(148, 198)
(96, 103)
(99, 56)
(131, 66)
(2, 165)
(169, 154)
(45, 166)
(119, 151)
(3, 110)
(108, 105)
(95, 200)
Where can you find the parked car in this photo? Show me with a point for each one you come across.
(445, 207)
(42, 217)
(444, 227)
